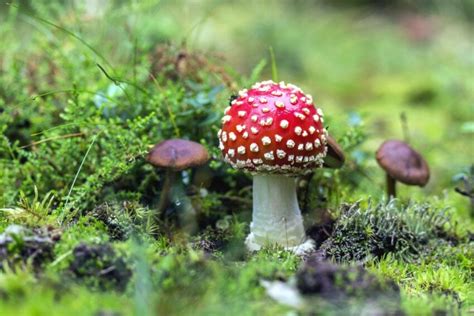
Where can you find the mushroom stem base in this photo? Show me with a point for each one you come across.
(307, 246)
(276, 215)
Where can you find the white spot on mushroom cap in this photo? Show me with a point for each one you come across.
(300, 116)
(293, 87)
(232, 136)
(254, 130)
(298, 130)
(227, 109)
(263, 100)
(226, 119)
(224, 136)
(277, 93)
(254, 118)
(219, 133)
(284, 124)
(279, 104)
(306, 111)
(317, 143)
(290, 143)
(268, 121)
(316, 117)
(221, 145)
(251, 99)
(269, 155)
(291, 157)
(293, 99)
(240, 163)
(278, 138)
(312, 129)
(257, 161)
(320, 112)
(300, 146)
(265, 110)
(231, 152)
(245, 135)
(309, 146)
(242, 113)
(254, 148)
(240, 128)
(304, 134)
(266, 141)
(241, 150)
(280, 153)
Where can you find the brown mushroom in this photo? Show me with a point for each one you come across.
(175, 155)
(402, 163)
(178, 154)
(335, 157)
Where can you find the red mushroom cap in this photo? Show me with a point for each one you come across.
(273, 128)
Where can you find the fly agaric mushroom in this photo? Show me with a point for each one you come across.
(402, 163)
(175, 155)
(274, 132)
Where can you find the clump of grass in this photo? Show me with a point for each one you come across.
(31, 212)
(406, 231)
(123, 219)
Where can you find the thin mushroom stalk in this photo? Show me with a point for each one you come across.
(170, 178)
(391, 187)
(276, 215)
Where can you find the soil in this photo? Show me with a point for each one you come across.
(22, 245)
(99, 265)
(335, 282)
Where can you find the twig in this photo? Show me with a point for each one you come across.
(53, 138)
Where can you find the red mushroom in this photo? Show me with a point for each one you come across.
(275, 132)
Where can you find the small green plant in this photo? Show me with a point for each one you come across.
(33, 212)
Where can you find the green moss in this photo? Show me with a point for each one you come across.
(406, 231)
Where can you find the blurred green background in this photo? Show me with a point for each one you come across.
(363, 61)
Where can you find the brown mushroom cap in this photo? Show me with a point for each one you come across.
(403, 163)
(178, 154)
(335, 157)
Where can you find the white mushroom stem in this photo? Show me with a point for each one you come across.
(276, 215)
